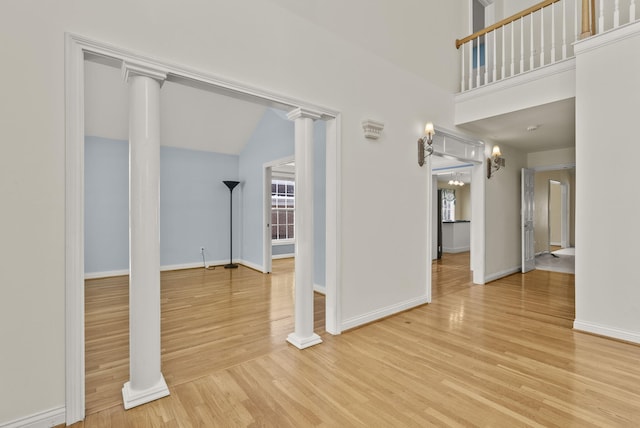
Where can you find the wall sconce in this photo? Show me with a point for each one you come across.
(423, 151)
(495, 162)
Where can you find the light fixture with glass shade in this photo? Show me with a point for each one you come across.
(495, 162)
(425, 147)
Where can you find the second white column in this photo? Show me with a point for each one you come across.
(303, 336)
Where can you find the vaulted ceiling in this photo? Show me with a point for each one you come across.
(191, 118)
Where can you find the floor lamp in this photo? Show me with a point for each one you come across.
(231, 185)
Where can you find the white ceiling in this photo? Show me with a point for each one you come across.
(191, 118)
(555, 124)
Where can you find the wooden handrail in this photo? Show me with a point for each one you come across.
(534, 8)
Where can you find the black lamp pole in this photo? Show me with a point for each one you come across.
(231, 185)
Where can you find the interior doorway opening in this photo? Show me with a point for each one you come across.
(78, 49)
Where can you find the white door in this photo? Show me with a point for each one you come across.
(527, 207)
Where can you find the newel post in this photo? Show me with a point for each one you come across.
(587, 30)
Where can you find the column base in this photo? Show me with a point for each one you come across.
(303, 342)
(133, 397)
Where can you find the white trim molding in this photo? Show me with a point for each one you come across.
(46, 419)
(502, 274)
(603, 39)
(321, 289)
(283, 256)
(250, 265)
(456, 249)
(384, 312)
(606, 331)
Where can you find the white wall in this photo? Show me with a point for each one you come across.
(607, 106)
(502, 210)
(550, 158)
(274, 45)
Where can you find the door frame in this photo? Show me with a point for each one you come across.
(478, 231)
(77, 48)
(267, 244)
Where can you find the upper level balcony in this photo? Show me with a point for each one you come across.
(527, 60)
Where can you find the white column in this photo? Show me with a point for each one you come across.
(303, 336)
(146, 382)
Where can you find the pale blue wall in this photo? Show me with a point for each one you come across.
(272, 139)
(194, 205)
(106, 204)
(277, 250)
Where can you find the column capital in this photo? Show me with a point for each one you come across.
(130, 69)
(303, 113)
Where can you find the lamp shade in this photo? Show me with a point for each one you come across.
(496, 151)
(428, 129)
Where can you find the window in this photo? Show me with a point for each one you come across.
(282, 209)
(448, 205)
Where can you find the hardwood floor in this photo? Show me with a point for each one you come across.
(500, 355)
(211, 320)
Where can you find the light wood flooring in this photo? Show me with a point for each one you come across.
(500, 355)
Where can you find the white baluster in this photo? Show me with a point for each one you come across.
(616, 14)
(553, 33)
(522, 45)
(478, 63)
(632, 11)
(486, 59)
(495, 66)
(601, 18)
(564, 30)
(531, 58)
(513, 71)
(462, 70)
(541, 37)
(502, 73)
(471, 64)
(575, 21)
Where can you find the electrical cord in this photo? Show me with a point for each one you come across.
(204, 264)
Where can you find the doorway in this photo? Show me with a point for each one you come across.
(77, 50)
(278, 211)
(554, 219)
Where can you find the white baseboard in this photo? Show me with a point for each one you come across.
(251, 265)
(320, 289)
(46, 419)
(283, 256)
(557, 244)
(106, 274)
(601, 330)
(383, 312)
(456, 249)
(502, 274)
